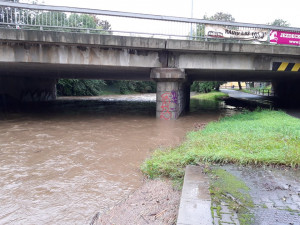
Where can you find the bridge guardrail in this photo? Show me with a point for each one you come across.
(69, 19)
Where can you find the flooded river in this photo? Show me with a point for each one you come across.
(64, 161)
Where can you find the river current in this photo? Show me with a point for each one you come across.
(62, 162)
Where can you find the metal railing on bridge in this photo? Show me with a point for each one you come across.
(68, 19)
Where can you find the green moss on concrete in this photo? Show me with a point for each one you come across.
(226, 188)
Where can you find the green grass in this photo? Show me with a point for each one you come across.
(211, 96)
(260, 137)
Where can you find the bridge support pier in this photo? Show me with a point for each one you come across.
(173, 92)
(28, 89)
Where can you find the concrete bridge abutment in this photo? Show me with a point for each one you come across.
(288, 92)
(173, 92)
(28, 89)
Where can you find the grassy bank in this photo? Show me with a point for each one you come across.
(211, 96)
(261, 137)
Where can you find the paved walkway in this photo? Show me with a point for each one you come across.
(275, 194)
(239, 94)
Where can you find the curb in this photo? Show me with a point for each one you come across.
(195, 202)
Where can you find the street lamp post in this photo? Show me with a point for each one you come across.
(192, 9)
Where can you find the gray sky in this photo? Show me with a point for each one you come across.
(254, 11)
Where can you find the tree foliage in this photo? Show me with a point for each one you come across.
(51, 20)
(76, 87)
(280, 23)
(206, 86)
(219, 16)
(127, 87)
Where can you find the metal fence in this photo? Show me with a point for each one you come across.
(264, 92)
(68, 19)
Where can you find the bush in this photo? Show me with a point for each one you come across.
(76, 87)
(206, 86)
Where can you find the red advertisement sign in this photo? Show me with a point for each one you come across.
(284, 38)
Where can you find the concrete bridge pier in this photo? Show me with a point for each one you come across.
(173, 92)
(28, 89)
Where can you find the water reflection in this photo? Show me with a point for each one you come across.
(64, 161)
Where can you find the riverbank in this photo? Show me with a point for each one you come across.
(137, 208)
(261, 138)
(156, 202)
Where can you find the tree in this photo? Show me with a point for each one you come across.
(75, 22)
(126, 87)
(240, 85)
(9, 15)
(52, 20)
(280, 23)
(208, 86)
(220, 16)
(76, 87)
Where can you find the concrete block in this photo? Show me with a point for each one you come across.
(195, 203)
(196, 189)
(194, 213)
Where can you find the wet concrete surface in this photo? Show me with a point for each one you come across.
(275, 193)
(249, 101)
(239, 94)
(195, 200)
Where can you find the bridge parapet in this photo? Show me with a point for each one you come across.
(69, 19)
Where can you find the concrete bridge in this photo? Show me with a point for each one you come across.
(31, 62)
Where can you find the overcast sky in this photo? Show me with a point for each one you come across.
(254, 11)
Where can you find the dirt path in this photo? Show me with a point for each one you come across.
(156, 202)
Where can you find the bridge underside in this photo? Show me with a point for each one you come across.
(31, 62)
(37, 82)
(67, 71)
(59, 71)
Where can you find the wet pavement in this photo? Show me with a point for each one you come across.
(239, 94)
(275, 193)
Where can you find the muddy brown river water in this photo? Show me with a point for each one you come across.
(64, 161)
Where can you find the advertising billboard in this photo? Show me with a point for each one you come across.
(241, 33)
(284, 38)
